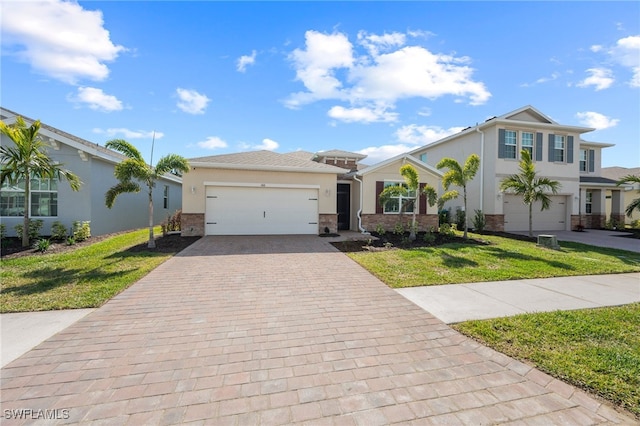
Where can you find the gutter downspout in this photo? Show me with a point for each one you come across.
(358, 214)
(481, 168)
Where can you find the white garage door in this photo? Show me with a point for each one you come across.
(516, 214)
(241, 210)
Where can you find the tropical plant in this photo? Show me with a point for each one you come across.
(530, 187)
(58, 231)
(479, 221)
(412, 185)
(134, 169)
(460, 176)
(27, 159)
(635, 204)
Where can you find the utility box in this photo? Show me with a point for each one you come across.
(549, 241)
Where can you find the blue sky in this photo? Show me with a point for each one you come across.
(378, 78)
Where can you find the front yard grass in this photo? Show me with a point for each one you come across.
(595, 349)
(502, 259)
(82, 278)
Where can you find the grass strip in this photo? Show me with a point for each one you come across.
(595, 349)
(82, 278)
(501, 259)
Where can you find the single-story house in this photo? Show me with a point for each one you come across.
(630, 191)
(263, 192)
(54, 201)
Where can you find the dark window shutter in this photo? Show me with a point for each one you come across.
(551, 147)
(538, 146)
(592, 160)
(379, 189)
(501, 145)
(569, 149)
(422, 200)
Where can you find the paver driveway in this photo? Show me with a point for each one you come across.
(277, 330)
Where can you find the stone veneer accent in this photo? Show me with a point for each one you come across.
(329, 221)
(590, 221)
(494, 222)
(389, 221)
(192, 224)
(620, 218)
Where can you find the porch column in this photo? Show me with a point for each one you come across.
(598, 209)
(617, 206)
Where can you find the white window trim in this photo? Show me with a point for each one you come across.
(506, 144)
(563, 149)
(400, 198)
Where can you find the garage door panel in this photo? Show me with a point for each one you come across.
(516, 214)
(261, 211)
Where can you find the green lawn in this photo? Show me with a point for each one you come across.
(594, 349)
(502, 259)
(82, 278)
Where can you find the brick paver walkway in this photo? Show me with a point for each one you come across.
(277, 330)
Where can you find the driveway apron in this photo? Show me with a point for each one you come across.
(276, 330)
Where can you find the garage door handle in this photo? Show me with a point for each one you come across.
(264, 214)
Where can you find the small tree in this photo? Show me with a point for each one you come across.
(459, 176)
(635, 204)
(134, 168)
(412, 181)
(530, 187)
(27, 159)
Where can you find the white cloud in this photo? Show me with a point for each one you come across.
(384, 72)
(600, 78)
(626, 52)
(596, 48)
(596, 120)
(267, 144)
(212, 142)
(422, 135)
(191, 101)
(129, 134)
(96, 99)
(58, 38)
(363, 114)
(246, 60)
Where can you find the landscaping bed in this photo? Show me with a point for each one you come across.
(390, 241)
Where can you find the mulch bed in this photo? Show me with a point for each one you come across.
(391, 241)
(172, 243)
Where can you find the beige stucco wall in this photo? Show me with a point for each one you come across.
(193, 185)
(628, 197)
(391, 172)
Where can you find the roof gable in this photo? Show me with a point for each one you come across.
(264, 160)
(528, 114)
(403, 158)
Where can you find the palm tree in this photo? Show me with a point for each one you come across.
(530, 187)
(635, 204)
(134, 168)
(28, 159)
(412, 181)
(459, 176)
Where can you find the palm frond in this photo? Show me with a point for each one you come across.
(120, 188)
(126, 148)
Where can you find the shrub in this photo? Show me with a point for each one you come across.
(444, 216)
(34, 229)
(635, 224)
(42, 245)
(429, 237)
(398, 229)
(446, 230)
(380, 229)
(81, 230)
(613, 224)
(58, 231)
(479, 221)
(71, 241)
(461, 218)
(3, 231)
(174, 223)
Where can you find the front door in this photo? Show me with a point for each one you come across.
(344, 206)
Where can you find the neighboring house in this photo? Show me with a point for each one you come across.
(559, 153)
(264, 192)
(630, 192)
(54, 201)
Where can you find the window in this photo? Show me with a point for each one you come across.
(558, 148)
(527, 143)
(583, 160)
(510, 144)
(423, 158)
(588, 202)
(43, 199)
(166, 196)
(393, 205)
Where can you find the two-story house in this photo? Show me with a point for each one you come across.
(559, 153)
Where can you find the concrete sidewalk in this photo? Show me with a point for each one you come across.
(462, 302)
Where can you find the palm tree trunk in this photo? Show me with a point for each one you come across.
(465, 211)
(27, 208)
(152, 241)
(531, 219)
